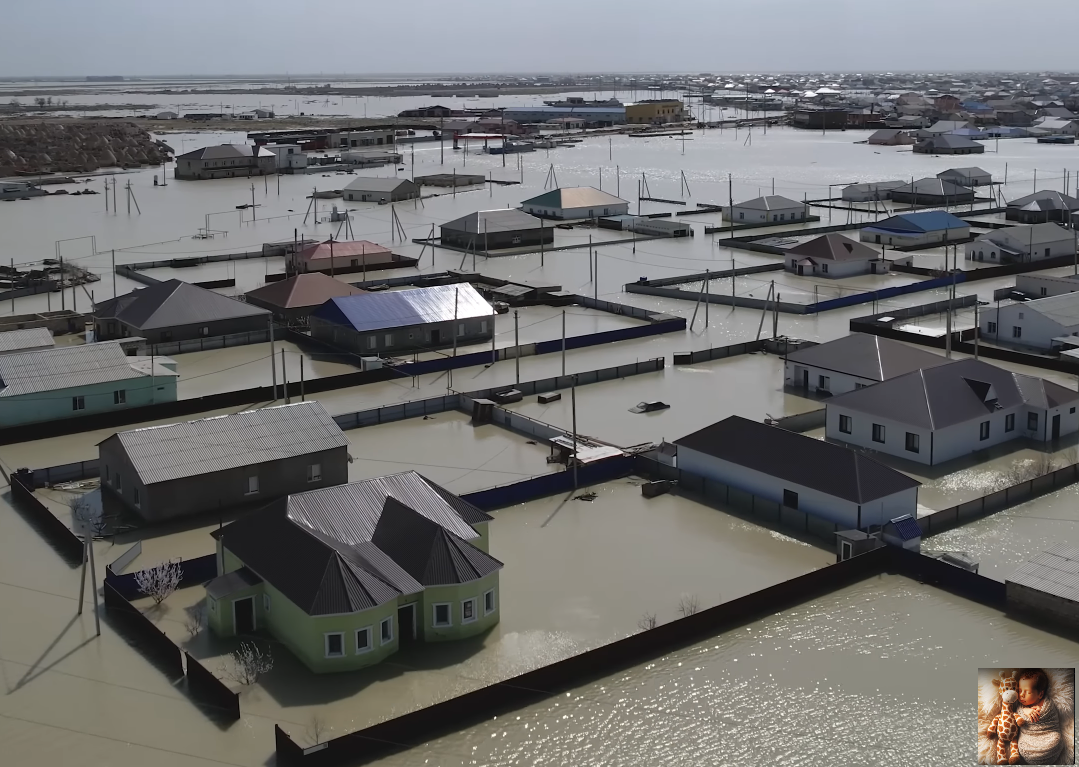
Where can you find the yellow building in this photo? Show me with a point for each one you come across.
(655, 112)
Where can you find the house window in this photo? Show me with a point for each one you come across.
(389, 339)
(1072, 411)
(266, 602)
(1043, 291)
(878, 433)
(314, 472)
(1032, 421)
(252, 485)
(372, 342)
(823, 382)
(119, 483)
(914, 443)
(78, 403)
(741, 215)
(488, 602)
(334, 644)
(790, 499)
(363, 640)
(824, 268)
(106, 473)
(386, 630)
(1009, 422)
(992, 327)
(441, 615)
(483, 326)
(983, 430)
(844, 424)
(468, 610)
(1017, 332)
(119, 397)
(137, 497)
(166, 335)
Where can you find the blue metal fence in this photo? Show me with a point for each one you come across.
(879, 295)
(550, 484)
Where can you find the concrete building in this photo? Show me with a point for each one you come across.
(967, 176)
(1045, 586)
(1022, 244)
(26, 340)
(496, 229)
(770, 208)
(339, 257)
(854, 362)
(224, 462)
(573, 203)
(833, 256)
(345, 576)
(948, 144)
(225, 161)
(287, 156)
(1043, 285)
(656, 112)
(1032, 324)
(1037, 208)
(937, 414)
(932, 191)
(398, 321)
(295, 298)
(874, 190)
(817, 477)
(890, 137)
(175, 311)
(365, 189)
(912, 229)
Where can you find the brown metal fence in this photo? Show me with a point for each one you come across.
(210, 691)
(48, 524)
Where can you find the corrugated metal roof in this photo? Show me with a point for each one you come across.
(226, 152)
(64, 367)
(573, 197)
(403, 308)
(208, 445)
(27, 338)
(770, 202)
(230, 583)
(835, 247)
(174, 303)
(491, 221)
(1054, 571)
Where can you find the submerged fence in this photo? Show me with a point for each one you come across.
(54, 531)
(210, 342)
(551, 484)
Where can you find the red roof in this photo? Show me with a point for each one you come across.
(342, 250)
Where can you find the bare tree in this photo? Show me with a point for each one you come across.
(314, 730)
(49, 101)
(158, 582)
(247, 664)
(688, 605)
(15, 103)
(647, 621)
(40, 101)
(195, 620)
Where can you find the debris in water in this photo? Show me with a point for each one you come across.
(585, 497)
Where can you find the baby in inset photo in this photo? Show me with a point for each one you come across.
(1040, 740)
(1026, 716)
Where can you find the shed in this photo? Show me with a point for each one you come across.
(903, 532)
(570, 203)
(295, 298)
(1048, 585)
(851, 543)
(365, 189)
(496, 229)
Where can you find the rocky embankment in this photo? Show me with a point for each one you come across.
(75, 147)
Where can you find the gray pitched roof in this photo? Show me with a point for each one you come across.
(1054, 571)
(1047, 199)
(934, 398)
(834, 247)
(490, 221)
(812, 463)
(174, 303)
(226, 152)
(1063, 309)
(377, 184)
(867, 356)
(193, 448)
(26, 338)
(938, 187)
(770, 202)
(574, 197)
(64, 367)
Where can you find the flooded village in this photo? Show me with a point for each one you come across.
(690, 419)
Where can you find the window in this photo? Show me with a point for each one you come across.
(983, 430)
(138, 499)
(488, 602)
(992, 327)
(252, 485)
(1017, 332)
(335, 644)
(1009, 422)
(204, 332)
(386, 630)
(1047, 256)
(1044, 291)
(790, 499)
(314, 472)
(822, 382)
(741, 215)
(119, 397)
(78, 403)
(1072, 411)
(119, 483)
(166, 335)
(483, 326)
(372, 342)
(844, 424)
(1032, 421)
(363, 640)
(914, 443)
(824, 268)
(468, 610)
(442, 615)
(389, 339)
(878, 433)
(106, 473)
(460, 329)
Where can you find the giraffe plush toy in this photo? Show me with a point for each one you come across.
(1003, 726)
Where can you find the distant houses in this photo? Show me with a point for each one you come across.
(834, 256)
(225, 161)
(854, 362)
(771, 208)
(1022, 244)
(1040, 324)
(920, 228)
(496, 230)
(575, 203)
(890, 137)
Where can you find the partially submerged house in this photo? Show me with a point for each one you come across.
(834, 256)
(224, 462)
(854, 362)
(1034, 324)
(1022, 244)
(937, 414)
(176, 311)
(913, 229)
(1046, 205)
(345, 576)
(574, 203)
(825, 480)
(395, 321)
(295, 298)
(366, 189)
(868, 192)
(771, 208)
(890, 137)
(340, 257)
(496, 229)
(932, 191)
(967, 176)
(225, 161)
(948, 144)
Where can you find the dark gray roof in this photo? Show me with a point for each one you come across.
(867, 356)
(770, 202)
(490, 221)
(230, 583)
(812, 463)
(174, 303)
(937, 187)
(957, 392)
(906, 527)
(1047, 199)
(226, 152)
(834, 247)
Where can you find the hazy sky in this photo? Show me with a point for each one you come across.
(148, 37)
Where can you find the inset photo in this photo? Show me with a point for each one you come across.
(1026, 716)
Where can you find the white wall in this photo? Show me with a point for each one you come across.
(1061, 247)
(1037, 330)
(895, 434)
(838, 383)
(1043, 286)
(913, 238)
(742, 215)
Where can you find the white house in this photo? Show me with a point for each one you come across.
(288, 155)
(1022, 243)
(166, 116)
(817, 477)
(368, 189)
(854, 362)
(834, 256)
(967, 176)
(921, 228)
(937, 414)
(1057, 126)
(769, 208)
(577, 202)
(874, 190)
(1032, 324)
(1043, 285)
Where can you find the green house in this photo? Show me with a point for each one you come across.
(344, 575)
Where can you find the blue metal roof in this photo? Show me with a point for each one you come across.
(404, 308)
(924, 221)
(906, 527)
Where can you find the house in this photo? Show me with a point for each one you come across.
(380, 190)
(835, 256)
(432, 111)
(967, 176)
(819, 118)
(166, 115)
(175, 311)
(1041, 285)
(1024, 244)
(597, 116)
(1047, 205)
(487, 230)
(649, 227)
(854, 362)
(1045, 586)
(1032, 324)
(224, 462)
(890, 137)
(769, 208)
(405, 320)
(339, 257)
(936, 414)
(874, 190)
(288, 156)
(225, 161)
(819, 478)
(571, 203)
(944, 127)
(656, 112)
(932, 191)
(948, 144)
(1055, 126)
(26, 340)
(295, 298)
(903, 532)
(345, 576)
(17, 190)
(73, 381)
(362, 138)
(921, 228)
(566, 123)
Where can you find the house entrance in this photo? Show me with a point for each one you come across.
(1056, 427)
(436, 337)
(406, 623)
(243, 616)
(846, 550)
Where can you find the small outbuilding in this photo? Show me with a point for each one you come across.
(295, 298)
(854, 362)
(834, 256)
(903, 532)
(365, 189)
(574, 203)
(496, 229)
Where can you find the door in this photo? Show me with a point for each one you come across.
(878, 239)
(406, 623)
(846, 550)
(805, 378)
(436, 337)
(790, 499)
(1056, 426)
(243, 616)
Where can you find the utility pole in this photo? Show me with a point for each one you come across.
(63, 298)
(573, 410)
(707, 293)
(284, 378)
(563, 342)
(302, 397)
(455, 292)
(273, 359)
(253, 214)
(516, 346)
(977, 330)
(114, 273)
(730, 201)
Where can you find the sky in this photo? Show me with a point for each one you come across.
(202, 37)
